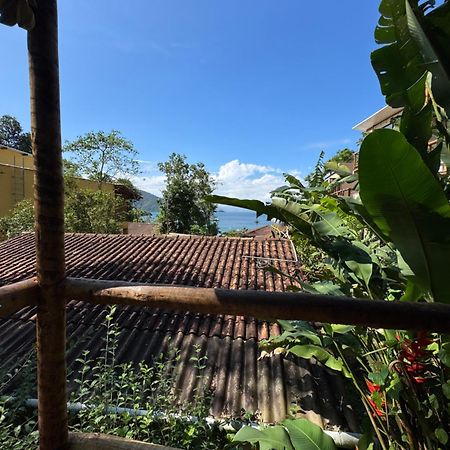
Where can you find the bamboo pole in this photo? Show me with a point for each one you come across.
(266, 305)
(49, 199)
(16, 296)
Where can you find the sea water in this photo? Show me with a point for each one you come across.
(231, 219)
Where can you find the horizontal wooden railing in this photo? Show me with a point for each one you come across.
(266, 305)
(259, 304)
(14, 297)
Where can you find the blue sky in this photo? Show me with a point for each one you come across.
(250, 88)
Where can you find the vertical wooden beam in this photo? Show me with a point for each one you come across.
(49, 204)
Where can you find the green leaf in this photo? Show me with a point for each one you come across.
(444, 354)
(410, 51)
(366, 442)
(322, 287)
(342, 329)
(268, 438)
(354, 206)
(362, 271)
(380, 376)
(433, 61)
(413, 291)
(416, 122)
(18, 12)
(441, 435)
(308, 436)
(446, 390)
(319, 353)
(284, 211)
(408, 205)
(340, 169)
(293, 181)
(310, 351)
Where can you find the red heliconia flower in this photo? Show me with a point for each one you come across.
(422, 339)
(413, 354)
(374, 388)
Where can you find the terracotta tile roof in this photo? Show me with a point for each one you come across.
(238, 379)
(266, 231)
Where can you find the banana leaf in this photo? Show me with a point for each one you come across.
(18, 12)
(413, 43)
(409, 207)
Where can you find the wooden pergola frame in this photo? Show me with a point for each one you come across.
(51, 289)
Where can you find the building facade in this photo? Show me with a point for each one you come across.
(17, 178)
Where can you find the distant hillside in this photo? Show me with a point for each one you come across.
(148, 202)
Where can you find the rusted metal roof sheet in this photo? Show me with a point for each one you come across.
(235, 375)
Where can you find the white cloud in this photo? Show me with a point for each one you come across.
(151, 183)
(247, 180)
(235, 169)
(234, 179)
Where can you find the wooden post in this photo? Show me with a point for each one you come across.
(49, 199)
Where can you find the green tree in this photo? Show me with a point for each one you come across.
(89, 211)
(85, 211)
(12, 135)
(19, 220)
(183, 207)
(343, 156)
(103, 157)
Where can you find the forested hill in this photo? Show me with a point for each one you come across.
(148, 202)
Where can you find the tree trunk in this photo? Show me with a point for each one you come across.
(49, 203)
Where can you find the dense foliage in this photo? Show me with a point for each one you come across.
(18, 221)
(85, 211)
(183, 207)
(12, 134)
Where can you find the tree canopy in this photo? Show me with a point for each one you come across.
(103, 157)
(183, 207)
(85, 211)
(12, 134)
(343, 156)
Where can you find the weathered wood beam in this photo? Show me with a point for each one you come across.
(97, 441)
(266, 305)
(49, 210)
(17, 296)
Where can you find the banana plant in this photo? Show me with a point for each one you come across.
(362, 263)
(414, 42)
(18, 12)
(409, 206)
(414, 55)
(291, 434)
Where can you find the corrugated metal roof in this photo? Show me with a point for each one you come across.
(235, 375)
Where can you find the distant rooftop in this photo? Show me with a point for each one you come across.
(377, 120)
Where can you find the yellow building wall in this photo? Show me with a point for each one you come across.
(17, 179)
